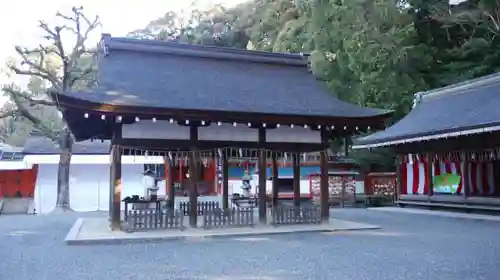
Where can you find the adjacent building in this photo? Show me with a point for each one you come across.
(448, 146)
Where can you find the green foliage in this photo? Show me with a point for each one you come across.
(373, 53)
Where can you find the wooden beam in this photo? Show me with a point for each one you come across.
(225, 181)
(296, 179)
(274, 165)
(173, 145)
(262, 178)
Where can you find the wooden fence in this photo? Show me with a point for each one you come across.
(151, 219)
(201, 207)
(289, 215)
(232, 217)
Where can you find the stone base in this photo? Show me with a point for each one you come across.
(97, 231)
(16, 205)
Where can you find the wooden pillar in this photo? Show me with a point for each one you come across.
(116, 186)
(296, 179)
(116, 179)
(399, 182)
(170, 184)
(262, 178)
(496, 176)
(324, 187)
(111, 187)
(347, 140)
(225, 180)
(193, 177)
(274, 163)
(428, 166)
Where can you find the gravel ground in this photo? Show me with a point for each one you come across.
(408, 247)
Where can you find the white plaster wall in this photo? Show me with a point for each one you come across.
(89, 186)
(155, 130)
(296, 134)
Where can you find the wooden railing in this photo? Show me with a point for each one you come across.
(202, 207)
(232, 217)
(150, 219)
(289, 215)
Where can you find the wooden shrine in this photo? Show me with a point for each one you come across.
(191, 102)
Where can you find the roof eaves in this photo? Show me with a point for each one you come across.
(412, 139)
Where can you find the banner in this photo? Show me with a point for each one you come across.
(446, 183)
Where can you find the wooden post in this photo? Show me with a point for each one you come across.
(347, 140)
(262, 178)
(193, 177)
(428, 166)
(225, 181)
(324, 187)
(296, 179)
(170, 184)
(496, 177)
(399, 183)
(275, 175)
(111, 187)
(116, 186)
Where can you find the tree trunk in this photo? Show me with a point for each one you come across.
(65, 145)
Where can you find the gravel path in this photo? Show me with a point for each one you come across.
(408, 247)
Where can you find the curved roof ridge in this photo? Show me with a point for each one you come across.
(461, 87)
(172, 47)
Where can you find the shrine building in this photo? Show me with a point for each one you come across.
(192, 102)
(448, 147)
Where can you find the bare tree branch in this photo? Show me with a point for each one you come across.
(23, 110)
(35, 58)
(81, 37)
(35, 62)
(36, 68)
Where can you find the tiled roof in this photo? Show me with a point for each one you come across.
(43, 145)
(471, 106)
(181, 76)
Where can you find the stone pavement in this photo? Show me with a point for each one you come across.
(440, 213)
(407, 247)
(96, 231)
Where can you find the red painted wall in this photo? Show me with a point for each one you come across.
(23, 182)
(209, 173)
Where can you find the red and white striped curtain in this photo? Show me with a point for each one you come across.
(480, 175)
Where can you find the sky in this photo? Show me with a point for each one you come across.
(19, 19)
